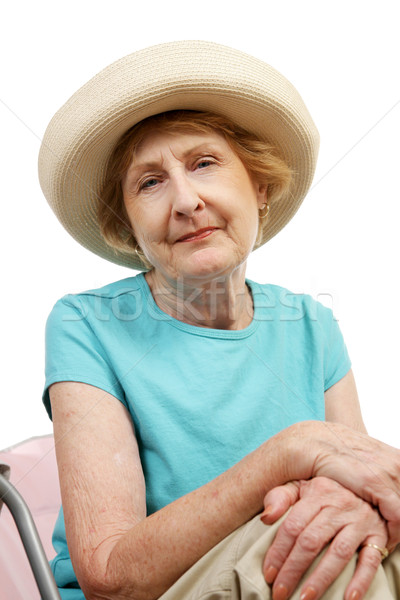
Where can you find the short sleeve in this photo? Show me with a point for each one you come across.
(74, 352)
(336, 358)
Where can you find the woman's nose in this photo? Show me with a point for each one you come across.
(185, 197)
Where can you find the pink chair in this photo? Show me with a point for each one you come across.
(34, 478)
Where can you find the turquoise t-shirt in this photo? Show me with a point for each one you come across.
(200, 398)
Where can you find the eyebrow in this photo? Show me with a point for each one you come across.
(154, 164)
(144, 166)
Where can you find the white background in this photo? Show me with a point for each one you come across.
(342, 246)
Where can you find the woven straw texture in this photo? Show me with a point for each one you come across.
(191, 75)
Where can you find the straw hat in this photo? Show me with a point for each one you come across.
(193, 75)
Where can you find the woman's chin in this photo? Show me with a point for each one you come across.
(207, 263)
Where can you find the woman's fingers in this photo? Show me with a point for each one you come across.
(279, 500)
(337, 556)
(375, 489)
(371, 469)
(301, 515)
(368, 562)
(327, 515)
(307, 547)
(388, 509)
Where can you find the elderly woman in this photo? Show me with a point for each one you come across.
(192, 407)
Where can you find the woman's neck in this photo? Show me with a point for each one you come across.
(223, 303)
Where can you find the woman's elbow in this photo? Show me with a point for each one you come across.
(107, 583)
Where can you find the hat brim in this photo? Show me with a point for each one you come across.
(190, 75)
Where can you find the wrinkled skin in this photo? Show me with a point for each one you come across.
(358, 504)
(323, 510)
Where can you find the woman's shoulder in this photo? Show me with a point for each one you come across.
(110, 291)
(288, 304)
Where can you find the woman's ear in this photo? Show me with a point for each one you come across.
(262, 195)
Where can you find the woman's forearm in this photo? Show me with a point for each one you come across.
(115, 550)
(153, 554)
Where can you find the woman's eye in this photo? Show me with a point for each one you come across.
(149, 183)
(204, 163)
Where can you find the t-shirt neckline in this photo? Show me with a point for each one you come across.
(202, 331)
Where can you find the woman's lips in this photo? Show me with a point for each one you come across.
(197, 235)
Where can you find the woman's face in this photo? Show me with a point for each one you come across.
(192, 205)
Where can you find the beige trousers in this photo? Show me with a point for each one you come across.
(232, 570)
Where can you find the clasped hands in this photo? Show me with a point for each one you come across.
(344, 494)
(322, 511)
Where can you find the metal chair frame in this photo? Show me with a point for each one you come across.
(29, 536)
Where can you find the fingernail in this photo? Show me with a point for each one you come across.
(355, 595)
(270, 574)
(266, 512)
(280, 593)
(308, 594)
